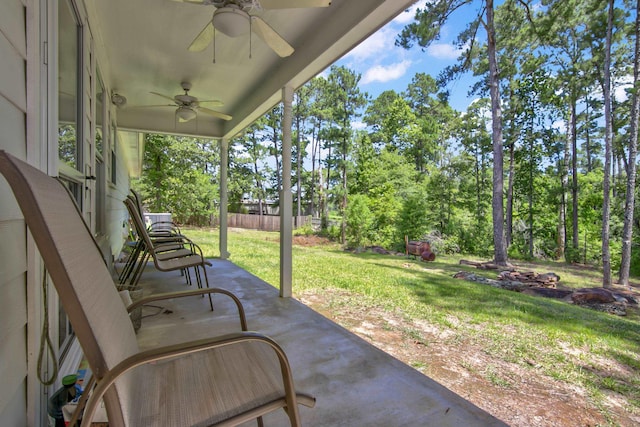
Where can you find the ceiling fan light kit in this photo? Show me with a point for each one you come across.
(185, 114)
(231, 21)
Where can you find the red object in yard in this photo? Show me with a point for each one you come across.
(428, 256)
(420, 249)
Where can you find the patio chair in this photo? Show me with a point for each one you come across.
(157, 228)
(166, 245)
(223, 380)
(166, 261)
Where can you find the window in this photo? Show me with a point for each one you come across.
(100, 173)
(69, 150)
(99, 97)
(70, 165)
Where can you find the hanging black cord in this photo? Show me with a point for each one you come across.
(45, 339)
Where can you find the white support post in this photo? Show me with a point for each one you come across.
(224, 199)
(286, 198)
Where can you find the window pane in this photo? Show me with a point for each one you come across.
(99, 112)
(67, 84)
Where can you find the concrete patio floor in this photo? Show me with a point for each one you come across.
(355, 383)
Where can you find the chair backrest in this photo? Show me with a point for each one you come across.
(139, 225)
(84, 284)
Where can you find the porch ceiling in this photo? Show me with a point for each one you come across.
(142, 47)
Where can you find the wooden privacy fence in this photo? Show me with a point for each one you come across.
(263, 222)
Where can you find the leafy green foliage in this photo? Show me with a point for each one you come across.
(359, 220)
(179, 176)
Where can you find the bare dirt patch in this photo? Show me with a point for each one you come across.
(516, 393)
(310, 240)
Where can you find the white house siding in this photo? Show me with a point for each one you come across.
(116, 211)
(13, 260)
(24, 124)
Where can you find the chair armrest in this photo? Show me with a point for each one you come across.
(180, 294)
(179, 239)
(178, 350)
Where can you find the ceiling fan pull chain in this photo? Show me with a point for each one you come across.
(250, 36)
(214, 46)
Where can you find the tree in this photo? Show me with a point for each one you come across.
(432, 116)
(606, 208)
(300, 114)
(385, 177)
(413, 221)
(359, 220)
(346, 99)
(476, 141)
(562, 28)
(392, 121)
(425, 30)
(178, 177)
(256, 153)
(273, 134)
(627, 232)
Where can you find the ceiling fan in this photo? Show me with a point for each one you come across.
(189, 106)
(233, 18)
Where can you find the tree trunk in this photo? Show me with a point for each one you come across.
(512, 174)
(500, 253)
(587, 137)
(575, 239)
(315, 143)
(298, 168)
(562, 214)
(627, 231)
(343, 231)
(606, 255)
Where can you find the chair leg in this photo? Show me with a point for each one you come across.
(198, 278)
(185, 272)
(131, 262)
(206, 281)
(136, 277)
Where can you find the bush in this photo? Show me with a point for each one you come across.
(305, 230)
(441, 244)
(359, 219)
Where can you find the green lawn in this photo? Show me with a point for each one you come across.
(568, 343)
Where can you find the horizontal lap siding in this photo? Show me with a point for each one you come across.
(13, 302)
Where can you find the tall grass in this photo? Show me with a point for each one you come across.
(568, 343)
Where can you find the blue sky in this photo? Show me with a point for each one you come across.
(384, 66)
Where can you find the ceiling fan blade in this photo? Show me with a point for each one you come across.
(188, 1)
(170, 98)
(290, 4)
(215, 113)
(270, 37)
(212, 102)
(203, 39)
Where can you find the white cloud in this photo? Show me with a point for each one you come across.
(358, 125)
(378, 42)
(559, 125)
(407, 16)
(385, 73)
(620, 92)
(444, 51)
